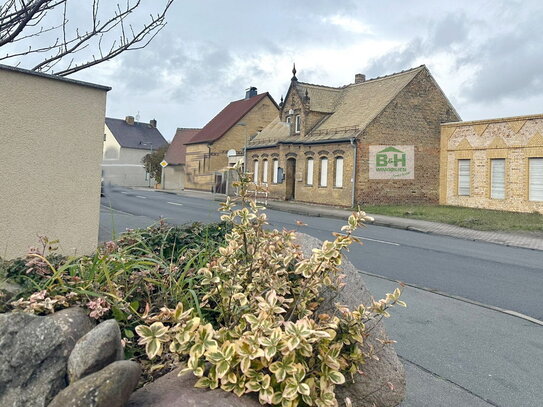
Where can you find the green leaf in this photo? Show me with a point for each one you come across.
(222, 368)
(336, 377)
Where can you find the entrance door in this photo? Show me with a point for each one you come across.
(290, 179)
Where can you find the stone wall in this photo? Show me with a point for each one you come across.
(514, 139)
(412, 118)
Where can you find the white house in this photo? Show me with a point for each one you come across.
(126, 142)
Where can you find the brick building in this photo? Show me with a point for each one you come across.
(222, 141)
(493, 164)
(374, 141)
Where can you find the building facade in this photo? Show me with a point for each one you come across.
(51, 133)
(493, 164)
(173, 175)
(222, 141)
(126, 142)
(370, 142)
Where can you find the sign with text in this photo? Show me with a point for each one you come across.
(392, 162)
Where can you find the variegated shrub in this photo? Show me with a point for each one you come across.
(266, 337)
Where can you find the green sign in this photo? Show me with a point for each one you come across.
(389, 162)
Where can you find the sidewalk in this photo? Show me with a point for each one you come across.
(525, 240)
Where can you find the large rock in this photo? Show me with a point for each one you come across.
(172, 390)
(95, 350)
(373, 387)
(109, 387)
(34, 353)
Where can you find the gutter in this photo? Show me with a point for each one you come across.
(353, 143)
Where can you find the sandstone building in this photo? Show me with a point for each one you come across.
(374, 141)
(493, 164)
(222, 141)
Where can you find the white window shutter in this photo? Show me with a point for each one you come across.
(497, 178)
(464, 177)
(536, 179)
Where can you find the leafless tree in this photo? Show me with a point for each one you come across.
(106, 35)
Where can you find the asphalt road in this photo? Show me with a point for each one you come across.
(455, 353)
(505, 277)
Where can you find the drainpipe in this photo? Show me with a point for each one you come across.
(353, 143)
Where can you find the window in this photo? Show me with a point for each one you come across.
(265, 171)
(298, 124)
(275, 170)
(309, 179)
(288, 119)
(255, 175)
(536, 179)
(464, 177)
(338, 181)
(497, 178)
(324, 172)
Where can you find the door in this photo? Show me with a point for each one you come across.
(290, 177)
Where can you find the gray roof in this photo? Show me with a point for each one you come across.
(54, 77)
(350, 109)
(139, 135)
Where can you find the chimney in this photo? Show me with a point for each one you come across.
(359, 78)
(153, 123)
(249, 93)
(129, 120)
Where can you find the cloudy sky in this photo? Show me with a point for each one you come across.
(486, 55)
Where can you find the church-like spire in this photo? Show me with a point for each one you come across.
(281, 103)
(294, 72)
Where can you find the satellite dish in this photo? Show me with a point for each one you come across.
(232, 153)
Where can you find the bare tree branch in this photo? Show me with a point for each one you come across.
(21, 21)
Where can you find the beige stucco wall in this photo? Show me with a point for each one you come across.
(51, 133)
(514, 139)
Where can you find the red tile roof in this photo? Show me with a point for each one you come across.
(227, 118)
(176, 152)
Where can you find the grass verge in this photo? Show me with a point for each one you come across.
(472, 218)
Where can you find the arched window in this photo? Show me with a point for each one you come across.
(265, 171)
(309, 171)
(255, 175)
(324, 172)
(275, 170)
(298, 123)
(338, 180)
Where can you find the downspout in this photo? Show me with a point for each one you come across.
(353, 143)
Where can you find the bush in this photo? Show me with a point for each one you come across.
(264, 335)
(127, 279)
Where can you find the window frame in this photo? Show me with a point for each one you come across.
(336, 160)
(297, 123)
(265, 171)
(309, 174)
(255, 171)
(275, 171)
(323, 170)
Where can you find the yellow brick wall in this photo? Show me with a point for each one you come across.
(514, 139)
(215, 154)
(329, 195)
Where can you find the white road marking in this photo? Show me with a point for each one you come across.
(175, 203)
(142, 197)
(378, 241)
(124, 192)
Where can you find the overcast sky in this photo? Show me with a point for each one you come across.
(486, 55)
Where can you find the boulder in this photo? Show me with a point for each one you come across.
(109, 387)
(34, 353)
(172, 390)
(94, 351)
(372, 388)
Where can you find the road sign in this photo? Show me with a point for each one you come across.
(163, 163)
